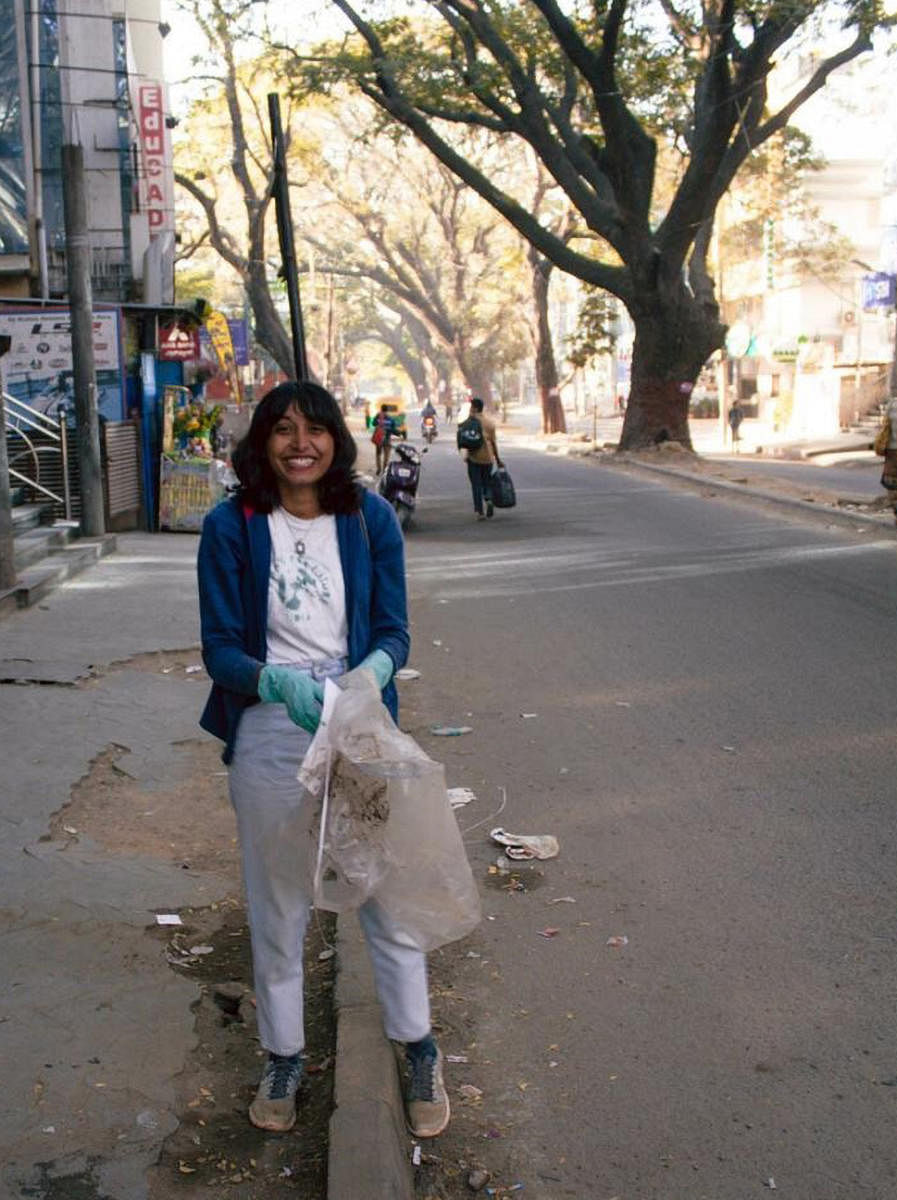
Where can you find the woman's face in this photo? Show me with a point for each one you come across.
(300, 451)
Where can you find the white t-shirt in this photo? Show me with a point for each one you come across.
(306, 592)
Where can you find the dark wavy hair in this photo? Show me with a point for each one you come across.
(338, 491)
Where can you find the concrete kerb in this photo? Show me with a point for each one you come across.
(369, 1146)
(818, 510)
(828, 513)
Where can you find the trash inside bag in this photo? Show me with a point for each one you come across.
(386, 828)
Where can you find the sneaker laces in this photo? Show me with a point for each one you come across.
(282, 1076)
(422, 1085)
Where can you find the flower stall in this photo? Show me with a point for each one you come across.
(192, 479)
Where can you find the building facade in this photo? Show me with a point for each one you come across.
(91, 74)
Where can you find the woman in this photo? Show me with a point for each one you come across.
(302, 578)
(889, 471)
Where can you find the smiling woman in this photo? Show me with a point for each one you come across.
(302, 579)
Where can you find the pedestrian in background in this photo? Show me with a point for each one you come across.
(477, 442)
(889, 471)
(382, 437)
(736, 416)
(302, 578)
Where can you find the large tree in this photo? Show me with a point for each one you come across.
(438, 256)
(595, 90)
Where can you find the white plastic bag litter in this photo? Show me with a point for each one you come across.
(386, 826)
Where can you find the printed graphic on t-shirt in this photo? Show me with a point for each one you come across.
(301, 583)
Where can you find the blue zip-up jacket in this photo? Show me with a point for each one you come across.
(233, 567)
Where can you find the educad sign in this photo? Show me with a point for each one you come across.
(38, 369)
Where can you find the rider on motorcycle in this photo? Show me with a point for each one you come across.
(428, 421)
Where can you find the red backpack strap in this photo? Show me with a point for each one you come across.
(248, 510)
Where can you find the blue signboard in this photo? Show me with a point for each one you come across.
(880, 290)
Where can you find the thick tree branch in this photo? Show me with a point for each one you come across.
(385, 93)
(221, 240)
(860, 45)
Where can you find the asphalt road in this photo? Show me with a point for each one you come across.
(713, 743)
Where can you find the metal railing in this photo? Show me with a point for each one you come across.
(41, 434)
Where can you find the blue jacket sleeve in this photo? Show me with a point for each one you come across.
(225, 601)
(389, 602)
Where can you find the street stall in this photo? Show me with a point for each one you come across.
(192, 479)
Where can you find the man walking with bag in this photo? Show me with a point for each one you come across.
(476, 441)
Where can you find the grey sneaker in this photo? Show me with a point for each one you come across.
(489, 509)
(274, 1106)
(426, 1100)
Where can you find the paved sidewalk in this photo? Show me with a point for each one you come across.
(93, 1033)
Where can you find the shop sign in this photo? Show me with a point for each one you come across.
(178, 343)
(152, 140)
(39, 370)
(880, 290)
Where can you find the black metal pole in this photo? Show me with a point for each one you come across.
(285, 233)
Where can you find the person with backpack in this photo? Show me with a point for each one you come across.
(476, 441)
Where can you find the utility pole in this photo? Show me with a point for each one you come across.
(288, 272)
(7, 543)
(77, 257)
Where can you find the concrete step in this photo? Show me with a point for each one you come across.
(29, 516)
(47, 573)
(35, 544)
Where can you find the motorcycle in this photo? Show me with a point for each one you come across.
(399, 482)
(428, 429)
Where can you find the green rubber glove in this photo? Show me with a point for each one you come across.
(301, 694)
(375, 670)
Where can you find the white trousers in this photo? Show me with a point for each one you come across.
(274, 821)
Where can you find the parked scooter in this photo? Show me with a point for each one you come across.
(399, 482)
(428, 428)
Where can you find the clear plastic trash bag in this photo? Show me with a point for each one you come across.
(386, 827)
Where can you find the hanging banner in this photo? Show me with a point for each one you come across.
(239, 336)
(219, 332)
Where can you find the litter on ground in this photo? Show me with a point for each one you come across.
(407, 673)
(450, 730)
(458, 797)
(563, 900)
(617, 943)
(168, 919)
(526, 845)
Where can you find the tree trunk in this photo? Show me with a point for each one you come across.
(269, 329)
(479, 385)
(673, 340)
(553, 419)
